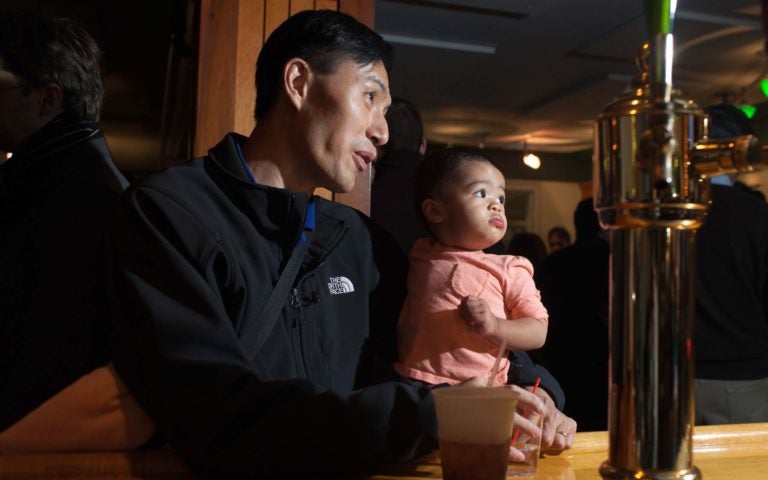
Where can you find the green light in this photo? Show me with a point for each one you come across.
(764, 86)
(749, 110)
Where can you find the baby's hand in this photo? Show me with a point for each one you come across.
(478, 316)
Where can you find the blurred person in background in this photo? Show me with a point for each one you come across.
(392, 188)
(574, 289)
(731, 292)
(57, 390)
(528, 245)
(557, 238)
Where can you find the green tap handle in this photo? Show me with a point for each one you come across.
(659, 15)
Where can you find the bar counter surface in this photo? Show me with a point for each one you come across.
(722, 452)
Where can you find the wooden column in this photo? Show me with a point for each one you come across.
(232, 33)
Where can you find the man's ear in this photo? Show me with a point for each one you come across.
(433, 211)
(296, 78)
(51, 100)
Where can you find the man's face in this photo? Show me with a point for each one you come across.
(345, 123)
(556, 242)
(18, 112)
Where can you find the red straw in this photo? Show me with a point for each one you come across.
(535, 387)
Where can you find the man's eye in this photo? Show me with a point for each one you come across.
(480, 194)
(370, 95)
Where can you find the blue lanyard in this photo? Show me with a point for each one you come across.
(309, 222)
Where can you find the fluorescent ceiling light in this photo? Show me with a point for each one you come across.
(428, 42)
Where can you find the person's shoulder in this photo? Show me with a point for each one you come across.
(363, 233)
(179, 181)
(339, 210)
(357, 222)
(737, 202)
(188, 171)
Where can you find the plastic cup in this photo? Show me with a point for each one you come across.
(474, 429)
(530, 446)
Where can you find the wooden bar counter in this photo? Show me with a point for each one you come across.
(723, 452)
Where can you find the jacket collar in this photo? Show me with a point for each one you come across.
(276, 212)
(42, 148)
(61, 147)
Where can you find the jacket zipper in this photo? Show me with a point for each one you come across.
(296, 305)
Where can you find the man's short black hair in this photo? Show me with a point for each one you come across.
(436, 172)
(323, 38)
(585, 220)
(405, 127)
(560, 232)
(40, 48)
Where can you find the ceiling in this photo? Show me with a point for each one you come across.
(500, 73)
(553, 66)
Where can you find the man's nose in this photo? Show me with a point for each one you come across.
(378, 132)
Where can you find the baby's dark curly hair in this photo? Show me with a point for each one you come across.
(436, 172)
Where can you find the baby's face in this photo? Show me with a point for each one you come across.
(474, 207)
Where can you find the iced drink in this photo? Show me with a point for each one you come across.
(474, 429)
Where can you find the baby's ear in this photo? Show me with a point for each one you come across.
(433, 210)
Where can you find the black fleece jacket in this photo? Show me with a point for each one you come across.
(731, 287)
(55, 200)
(199, 251)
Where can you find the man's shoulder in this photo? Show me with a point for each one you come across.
(341, 211)
(357, 224)
(363, 231)
(732, 205)
(192, 171)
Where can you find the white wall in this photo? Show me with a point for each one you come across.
(553, 204)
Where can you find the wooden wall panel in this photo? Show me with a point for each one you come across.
(216, 69)
(249, 27)
(232, 33)
(326, 5)
(276, 12)
(300, 5)
(363, 10)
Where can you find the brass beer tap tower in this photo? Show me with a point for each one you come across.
(651, 169)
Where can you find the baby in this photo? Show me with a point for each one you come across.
(463, 304)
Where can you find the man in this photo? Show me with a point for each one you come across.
(392, 189)
(243, 382)
(55, 195)
(574, 287)
(558, 238)
(731, 287)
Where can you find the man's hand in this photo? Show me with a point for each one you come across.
(527, 403)
(476, 312)
(559, 430)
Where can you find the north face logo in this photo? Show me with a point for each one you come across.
(339, 285)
